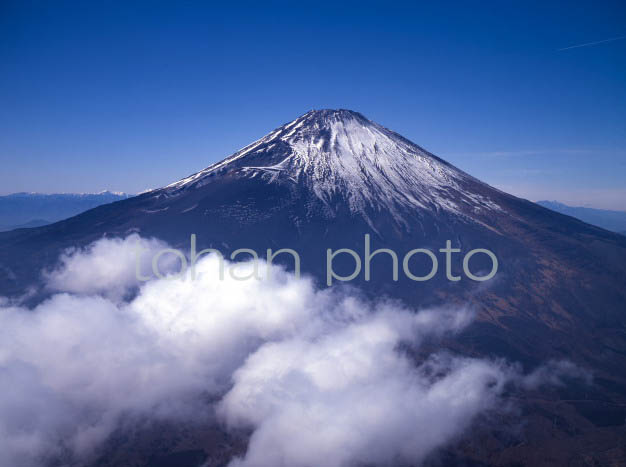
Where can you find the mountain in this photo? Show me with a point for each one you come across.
(24, 210)
(342, 159)
(27, 225)
(614, 221)
(330, 177)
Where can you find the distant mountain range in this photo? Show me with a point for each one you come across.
(614, 221)
(25, 210)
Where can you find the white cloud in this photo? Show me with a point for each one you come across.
(553, 373)
(318, 376)
(109, 266)
(349, 397)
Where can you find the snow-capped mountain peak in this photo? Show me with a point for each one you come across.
(340, 154)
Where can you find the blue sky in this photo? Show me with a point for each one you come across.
(134, 95)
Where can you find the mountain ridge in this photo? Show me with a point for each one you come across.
(612, 220)
(21, 209)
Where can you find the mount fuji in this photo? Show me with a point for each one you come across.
(340, 157)
(328, 178)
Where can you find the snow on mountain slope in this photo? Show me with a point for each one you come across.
(339, 154)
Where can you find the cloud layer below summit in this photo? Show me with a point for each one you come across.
(317, 377)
